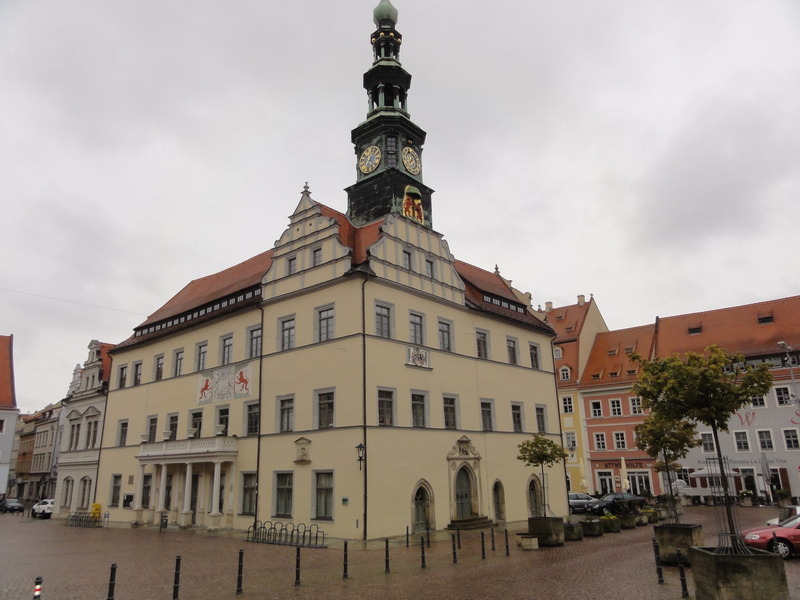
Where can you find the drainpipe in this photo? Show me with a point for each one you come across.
(364, 393)
(260, 416)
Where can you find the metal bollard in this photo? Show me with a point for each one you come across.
(386, 570)
(682, 575)
(407, 536)
(455, 554)
(112, 581)
(492, 534)
(240, 573)
(422, 550)
(297, 568)
(483, 546)
(37, 588)
(458, 537)
(659, 571)
(508, 553)
(176, 585)
(344, 574)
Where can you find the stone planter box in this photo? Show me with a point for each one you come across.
(746, 501)
(661, 513)
(642, 519)
(628, 522)
(573, 532)
(674, 537)
(592, 528)
(757, 576)
(652, 517)
(549, 530)
(527, 541)
(611, 525)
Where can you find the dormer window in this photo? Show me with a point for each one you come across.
(764, 319)
(695, 330)
(612, 352)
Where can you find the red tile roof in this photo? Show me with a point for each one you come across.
(753, 329)
(8, 398)
(610, 359)
(567, 321)
(105, 359)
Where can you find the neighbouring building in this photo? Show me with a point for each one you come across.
(80, 429)
(8, 415)
(355, 376)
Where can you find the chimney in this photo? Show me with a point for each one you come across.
(581, 299)
(548, 306)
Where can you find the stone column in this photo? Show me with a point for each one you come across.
(138, 511)
(162, 490)
(185, 519)
(215, 514)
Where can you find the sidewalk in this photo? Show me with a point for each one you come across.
(75, 564)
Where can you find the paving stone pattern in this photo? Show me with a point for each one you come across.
(75, 564)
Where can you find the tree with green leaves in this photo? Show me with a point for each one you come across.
(670, 439)
(703, 388)
(541, 451)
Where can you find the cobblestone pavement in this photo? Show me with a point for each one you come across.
(75, 564)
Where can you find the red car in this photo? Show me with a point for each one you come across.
(784, 538)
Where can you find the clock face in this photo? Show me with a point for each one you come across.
(411, 160)
(370, 159)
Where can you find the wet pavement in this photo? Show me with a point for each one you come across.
(76, 563)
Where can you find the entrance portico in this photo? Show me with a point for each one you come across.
(192, 463)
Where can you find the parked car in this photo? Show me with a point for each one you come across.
(783, 538)
(11, 505)
(618, 503)
(43, 509)
(580, 502)
(787, 512)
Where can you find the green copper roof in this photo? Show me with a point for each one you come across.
(384, 10)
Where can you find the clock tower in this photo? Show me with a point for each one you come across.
(388, 145)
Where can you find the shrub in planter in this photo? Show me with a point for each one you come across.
(627, 521)
(611, 524)
(592, 527)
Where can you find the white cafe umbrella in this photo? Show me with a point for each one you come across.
(715, 473)
(623, 475)
(584, 484)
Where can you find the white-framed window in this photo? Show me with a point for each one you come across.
(286, 341)
(152, 429)
(619, 440)
(252, 418)
(790, 439)
(570, 441)
(516, 417)
(323, 495)
(158, 368)
(783, 396)
(566, 405)
(419, 409)
(407, 260)
(742, 441)
(597, 408)
(765, 440)
(445, 335)
(137, 373)
(757, 402)
(201, 355)
(116, 489)
(482, 341)
(616, 407)
(599, 441)
(416, 329)
(196, 423)
(564, 373)
(177, 363)
(429, 268)
(534, 353)
(248, 493)
(284, 483)
(221, 420)
(316, 257)
(254, 339)
(291, 265)
(122, 432)
(487, 415)
(385, 408)
(707, 442)
(172, 421)
(636, 406)
(541, 418)
(450, 412)
(511, 346)
(324, 408)
(383, 320)
(285, 413)
(226, 350)
(324, 324)
(558, 353)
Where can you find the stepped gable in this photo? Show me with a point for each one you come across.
(752, 329)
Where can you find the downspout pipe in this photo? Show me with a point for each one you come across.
(260, 416)
(364, 395)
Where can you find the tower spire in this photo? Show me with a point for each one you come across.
(388, 144)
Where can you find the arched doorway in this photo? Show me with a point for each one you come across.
(422, 504)
(499, 501)
(464, 494)
(535, 498)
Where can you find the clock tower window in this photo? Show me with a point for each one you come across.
(391, 151)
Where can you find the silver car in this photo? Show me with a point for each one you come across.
(580, 502)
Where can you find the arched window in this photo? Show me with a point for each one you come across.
(564, 373)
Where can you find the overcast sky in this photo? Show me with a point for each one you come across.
(645, 152)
